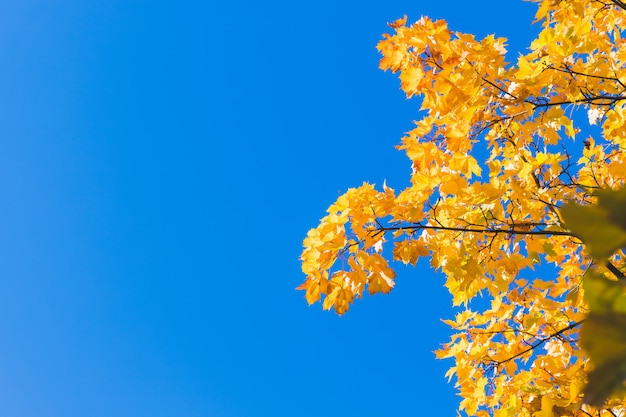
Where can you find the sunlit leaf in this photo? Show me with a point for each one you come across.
(517, 214)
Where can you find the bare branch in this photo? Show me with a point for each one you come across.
(486, 230)
(619, 274)
(542, 341)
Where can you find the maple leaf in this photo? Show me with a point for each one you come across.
(499, 188)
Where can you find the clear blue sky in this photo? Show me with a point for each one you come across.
(160, 164)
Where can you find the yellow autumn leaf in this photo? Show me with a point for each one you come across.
(507, 204)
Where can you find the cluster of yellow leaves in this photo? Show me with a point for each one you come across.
(348, 230)
(486, 219)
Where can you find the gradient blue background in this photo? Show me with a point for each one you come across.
(160, 164)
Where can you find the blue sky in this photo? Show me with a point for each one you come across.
(160, 164)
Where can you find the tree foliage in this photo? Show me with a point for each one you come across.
(514, 169)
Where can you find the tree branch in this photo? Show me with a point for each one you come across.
(615, 271)
(486, 230)
(619, 4)
(542, 341)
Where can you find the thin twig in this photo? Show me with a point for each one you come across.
(542, 341)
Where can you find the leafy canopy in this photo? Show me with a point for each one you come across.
(533, 223)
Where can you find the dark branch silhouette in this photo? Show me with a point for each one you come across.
(541, 342)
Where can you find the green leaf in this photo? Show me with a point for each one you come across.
(605, 379)
(549, 248)
(601, 227)
(603, 336)
(614, 203)
(603, 296)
